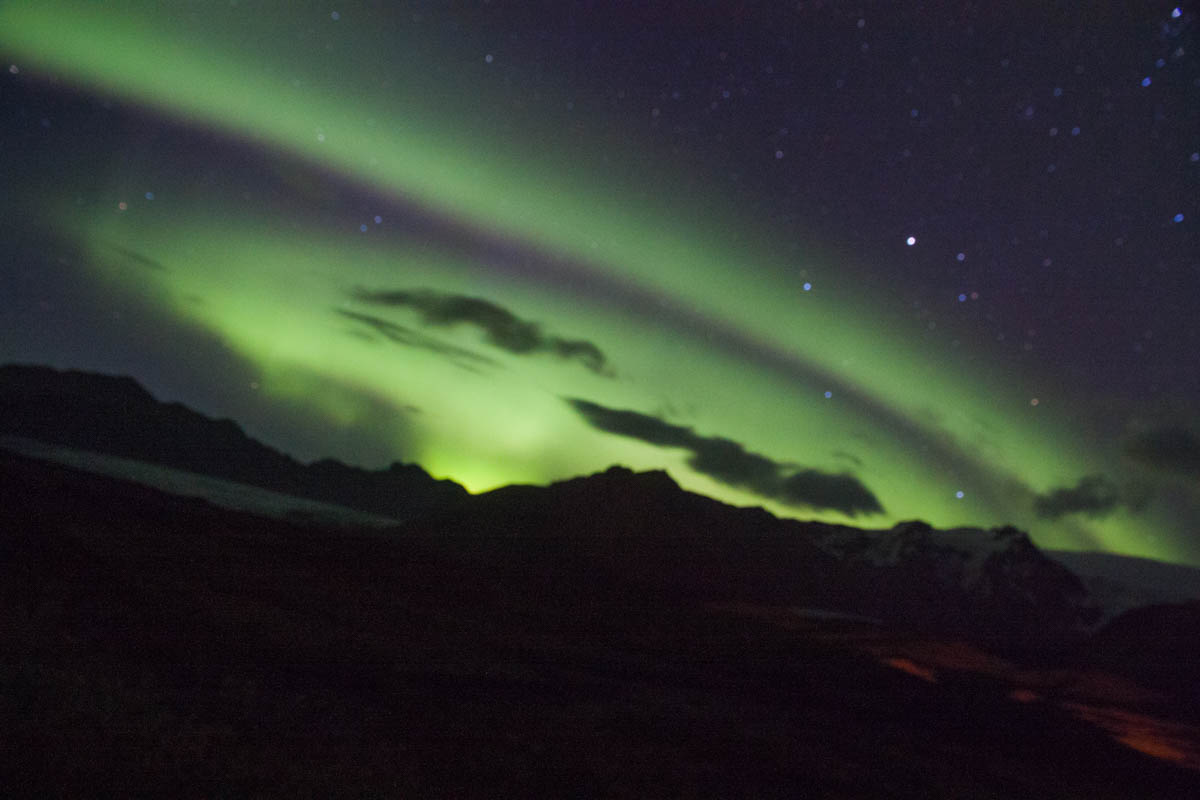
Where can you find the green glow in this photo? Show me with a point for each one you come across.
(652, 234)
(420, 137)
(508, 425)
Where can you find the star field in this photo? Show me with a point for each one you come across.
(851, 262)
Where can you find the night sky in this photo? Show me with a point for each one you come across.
(859, 262)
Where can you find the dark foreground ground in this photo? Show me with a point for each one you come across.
(155, 645)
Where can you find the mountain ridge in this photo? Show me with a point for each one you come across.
(117, 415)
(993, 586)
(162, 645)
(615, 602)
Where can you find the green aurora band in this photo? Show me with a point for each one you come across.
(740, 349)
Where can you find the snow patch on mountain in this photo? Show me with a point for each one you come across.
(218, 491)
(999, 567)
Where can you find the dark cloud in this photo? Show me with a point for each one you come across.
(1094, 495)
(853, 459)
(1170, 449)
(729, 462)
(821, 490)
(137, 259)
(500, 326)
(410, 338)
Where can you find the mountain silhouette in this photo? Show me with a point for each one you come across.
(116, 415)
(1158, 646)
(610, 634)
(993, 587)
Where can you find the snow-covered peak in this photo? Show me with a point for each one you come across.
(1000, 566)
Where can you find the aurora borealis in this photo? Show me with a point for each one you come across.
(517, 243)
